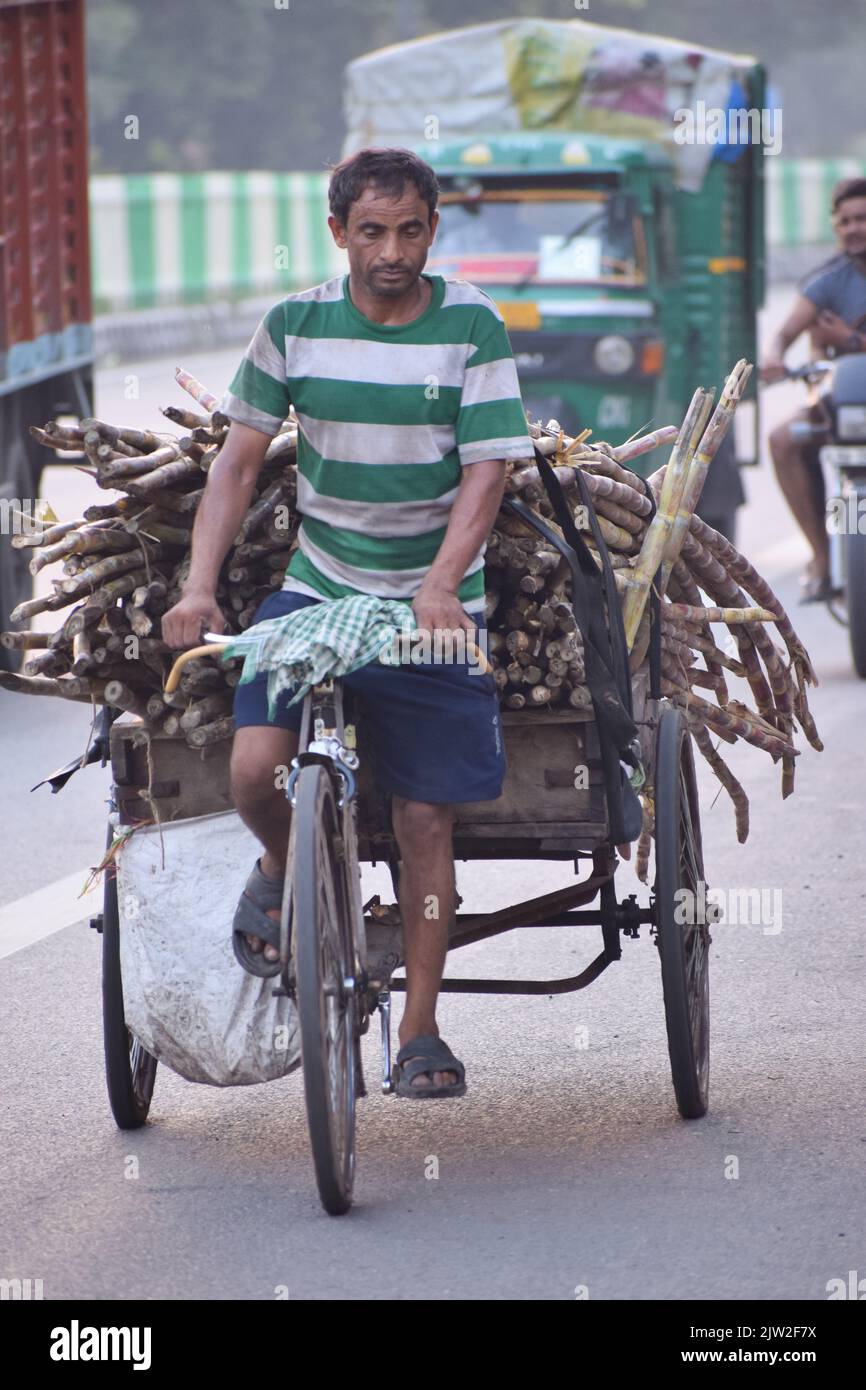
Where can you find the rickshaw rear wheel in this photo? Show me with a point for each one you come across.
(324, 983)
(130, 1070)
(682, 935)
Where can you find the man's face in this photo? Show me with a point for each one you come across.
(849, 224)
(387, 239)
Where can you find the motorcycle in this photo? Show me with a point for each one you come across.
(837, 430)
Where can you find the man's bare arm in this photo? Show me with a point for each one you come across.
(472, 516)
(230, 482)
(801, 316)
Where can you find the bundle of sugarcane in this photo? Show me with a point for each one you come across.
(655, 541)
(533, 641)
(123, 564)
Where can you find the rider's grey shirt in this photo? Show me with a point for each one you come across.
(840, 287)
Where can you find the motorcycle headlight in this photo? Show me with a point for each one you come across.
(613, 354)
(851, 422)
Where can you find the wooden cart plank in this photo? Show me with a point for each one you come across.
(162, 778)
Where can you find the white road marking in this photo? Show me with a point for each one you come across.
(48, 910)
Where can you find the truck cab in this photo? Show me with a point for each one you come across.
(583, 189)
(560, 233)
(621, 292)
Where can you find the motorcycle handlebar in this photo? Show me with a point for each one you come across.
(810, 371)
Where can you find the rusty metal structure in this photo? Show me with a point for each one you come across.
(46, 358)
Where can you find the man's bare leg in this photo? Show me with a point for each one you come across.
(427, 903)
(797, 481)
(260, 797)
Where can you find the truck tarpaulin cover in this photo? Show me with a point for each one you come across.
(538, 75)
(185, 996)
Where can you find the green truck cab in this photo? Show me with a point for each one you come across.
(625, 276)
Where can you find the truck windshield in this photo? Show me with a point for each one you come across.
(523, 238)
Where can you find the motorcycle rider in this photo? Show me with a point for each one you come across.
(831, 305)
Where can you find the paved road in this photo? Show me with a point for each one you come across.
(565, 1167)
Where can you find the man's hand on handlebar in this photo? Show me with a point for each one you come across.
(772, 369)
(832, 331)
(438, 608)
(809, 372)
(194, 613)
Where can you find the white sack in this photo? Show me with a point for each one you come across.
(186, 998)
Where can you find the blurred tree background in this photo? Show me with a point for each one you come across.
(257, 84)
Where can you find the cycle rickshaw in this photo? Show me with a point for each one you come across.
(339, 956)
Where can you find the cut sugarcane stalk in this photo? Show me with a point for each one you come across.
(722, 615)
(719, 424)
(653, 548)
(24, 641)
(198, 392)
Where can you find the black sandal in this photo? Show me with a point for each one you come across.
(251, 919)
(817, 589)
(428, 1055)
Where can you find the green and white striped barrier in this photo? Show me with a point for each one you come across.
(798, 198)
(165, 239)
(169, 239)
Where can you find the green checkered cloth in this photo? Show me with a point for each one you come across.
(326, 639)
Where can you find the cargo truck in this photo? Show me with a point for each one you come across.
(46, 357)
(585, 189)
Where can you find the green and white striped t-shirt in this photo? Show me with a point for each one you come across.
(388, 417)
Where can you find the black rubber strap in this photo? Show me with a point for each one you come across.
(620, 649)
(617, 731)
(610, 714)
(655, 644)
(607, 634)
(614, 627)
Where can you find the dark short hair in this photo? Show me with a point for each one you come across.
(388, 169)
(847, 188)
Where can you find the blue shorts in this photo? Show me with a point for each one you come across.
(432, 730)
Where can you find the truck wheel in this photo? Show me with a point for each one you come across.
(16, 581)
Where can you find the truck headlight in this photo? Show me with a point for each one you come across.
(613, 354)
(851, 422)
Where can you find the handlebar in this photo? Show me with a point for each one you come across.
(810, 371)
(215, 643)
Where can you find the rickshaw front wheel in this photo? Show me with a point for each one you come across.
(321, 937)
